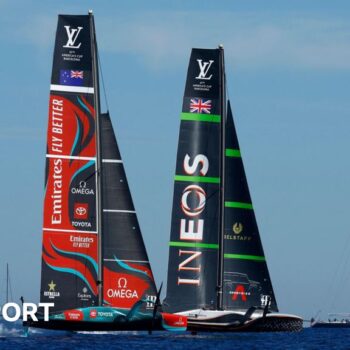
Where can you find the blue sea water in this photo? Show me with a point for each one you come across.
(12, 337)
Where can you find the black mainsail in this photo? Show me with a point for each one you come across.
(95, 267)
(192, 274)
(217, 272)
(246, 280)
(125, 260)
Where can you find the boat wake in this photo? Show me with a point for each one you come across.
(8, 329)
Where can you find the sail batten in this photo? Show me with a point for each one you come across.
(112, 161)
(70, 157)
(76, 89)
(63, 230)
(206, 179)
(210, 118)
(119, 211)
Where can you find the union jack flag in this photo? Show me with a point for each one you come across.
(77, 74)
(199, 105)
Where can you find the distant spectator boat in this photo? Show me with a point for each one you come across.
(340, 320)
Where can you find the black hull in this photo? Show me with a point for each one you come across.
(260, 324)
(62, 325)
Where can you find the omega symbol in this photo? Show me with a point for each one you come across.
(122, 282)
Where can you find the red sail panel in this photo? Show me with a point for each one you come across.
(70, 241)
(70, 196)
(124, 289)
(74, 258)
(71, 128)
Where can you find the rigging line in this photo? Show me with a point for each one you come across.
(103, 80)
(338, 275)
(3, 289)
(339, 272)
(10, 288)
(342, 280)
(9, 294)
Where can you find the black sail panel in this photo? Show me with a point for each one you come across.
(69, 253)
(193, 251)
(127, 274)
(246, 277)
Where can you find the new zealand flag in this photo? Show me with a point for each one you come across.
(71, 77)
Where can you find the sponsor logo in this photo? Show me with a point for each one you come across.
(265, 300)
(82, 189)
(237, 228)
(191, 227)
(199, 105)
(204, 69)
(84, 296)
(56, 125)
(74, 315)
(81, 224)
(72, 36)
(151, 300)
(199, 193)
(240, 292)
(81, 211)
(122, 291)
(81, 242)
(174, 320)
(180, 322)
(52, 293)
(56, 196)
(93, 313)
(240, 287)
(105, 314)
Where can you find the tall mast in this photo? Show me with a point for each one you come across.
(219, 288)
(98, 155)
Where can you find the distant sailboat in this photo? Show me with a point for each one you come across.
(8, 288)
(217, 273)
(95, 267)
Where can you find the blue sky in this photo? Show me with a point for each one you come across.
(288, 71)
